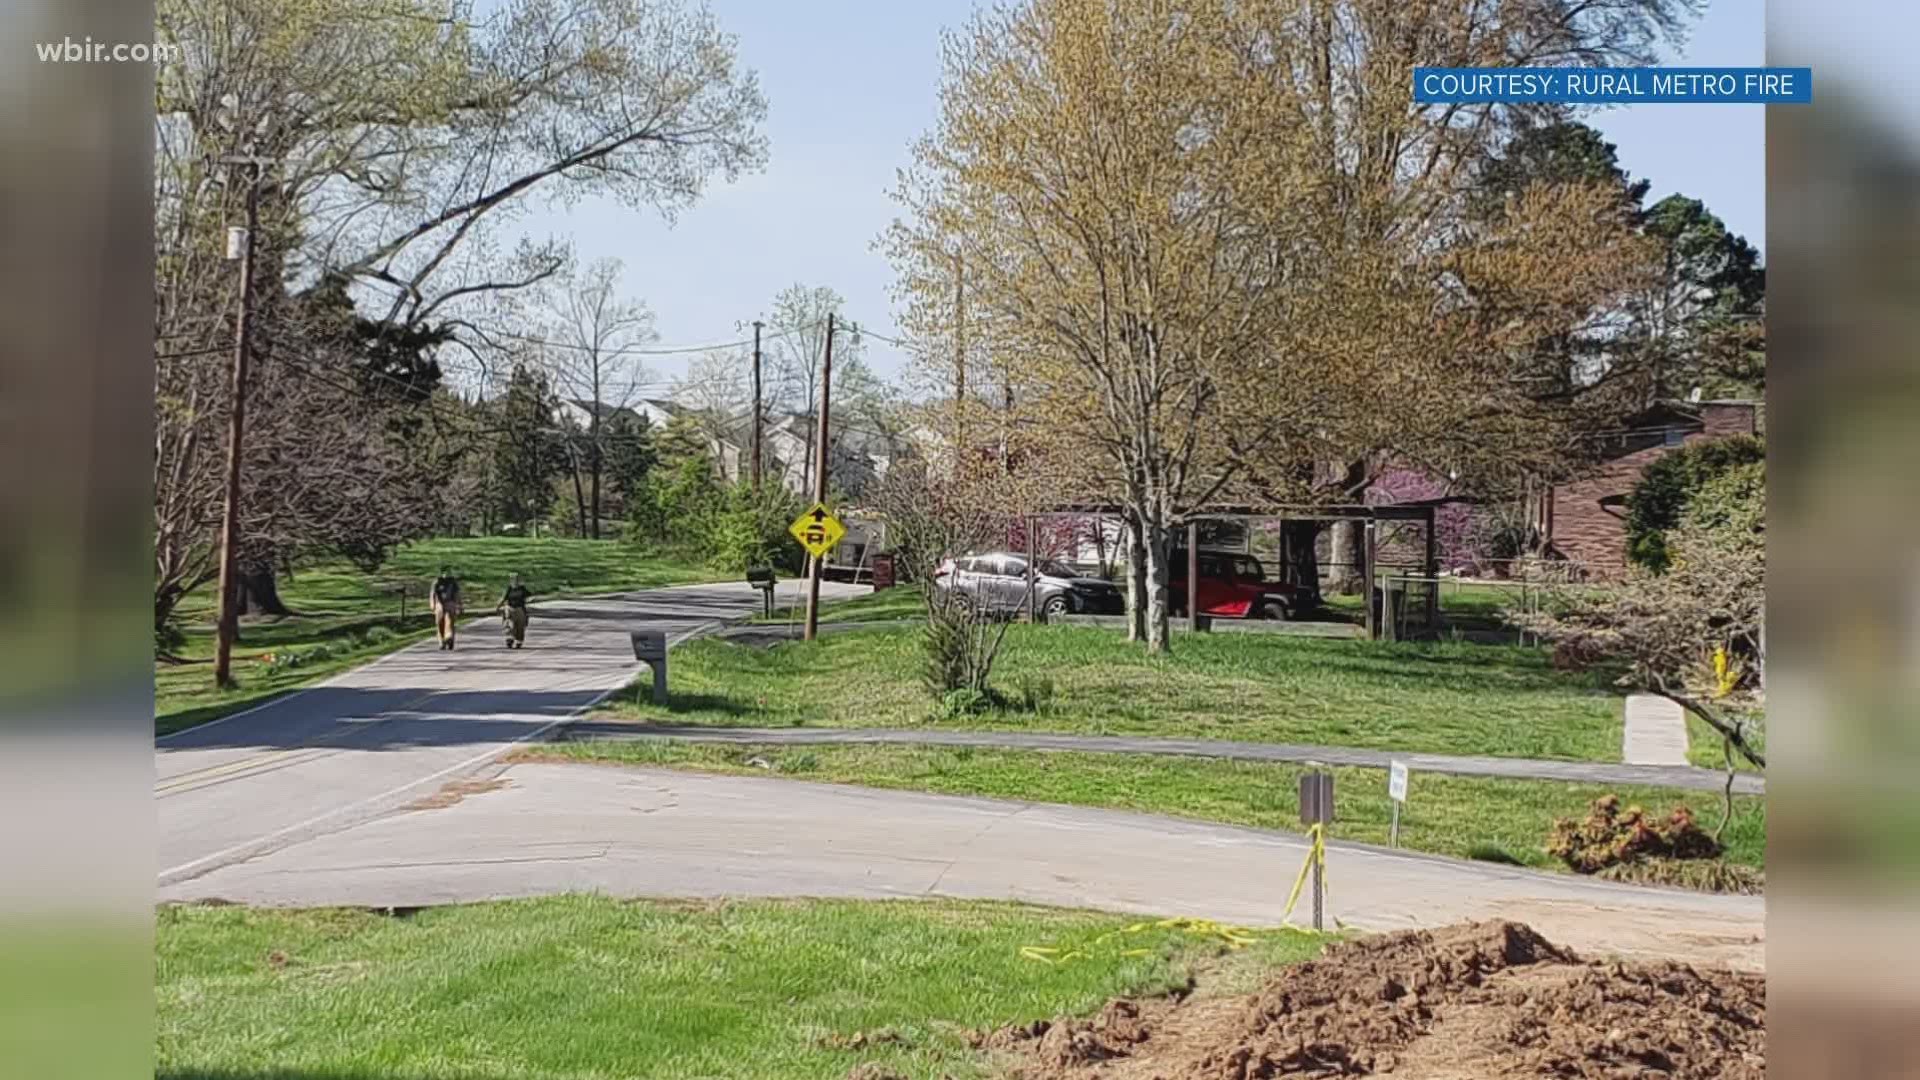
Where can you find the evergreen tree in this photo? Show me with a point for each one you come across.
(527, 456)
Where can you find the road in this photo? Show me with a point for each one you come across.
(361, 744)
(538, 828)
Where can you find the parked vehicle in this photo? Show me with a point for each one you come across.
(997, 581)
(1232, 586)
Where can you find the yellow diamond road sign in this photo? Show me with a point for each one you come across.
(817, 530)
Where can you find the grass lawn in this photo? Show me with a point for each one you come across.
(348, 617)
(899, 602)
(592, 987)
(1438, 697)
(1445, 815)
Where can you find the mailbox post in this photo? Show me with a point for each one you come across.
(761, 577)
(650, 648)
(1316, 808)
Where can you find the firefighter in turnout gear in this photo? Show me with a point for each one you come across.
(446, 605)
(513, 612)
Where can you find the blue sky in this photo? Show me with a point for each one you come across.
(851, 83)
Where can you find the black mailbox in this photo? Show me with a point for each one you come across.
(761, 577)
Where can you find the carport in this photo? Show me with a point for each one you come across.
(1389, 595)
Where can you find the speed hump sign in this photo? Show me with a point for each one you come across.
(817, 530)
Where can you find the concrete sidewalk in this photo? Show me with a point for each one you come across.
(541, 829)
(1682, 776)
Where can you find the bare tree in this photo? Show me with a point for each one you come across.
(589, 346)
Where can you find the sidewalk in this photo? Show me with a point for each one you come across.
(1589, 772)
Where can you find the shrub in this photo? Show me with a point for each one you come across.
(1660, 499)
(1610, 836)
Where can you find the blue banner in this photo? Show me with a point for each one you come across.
(1614, 86)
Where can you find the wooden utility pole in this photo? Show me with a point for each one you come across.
(756, 406)
(228, 625)
(959, 353)
(820, 482)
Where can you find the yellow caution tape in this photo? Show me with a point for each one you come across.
(1234, 937)
(1317, 852)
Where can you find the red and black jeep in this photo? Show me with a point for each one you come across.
(1232, 586)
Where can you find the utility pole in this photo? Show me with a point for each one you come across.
(959, 353)
(756, 406)
(228, 626)
(820, 484)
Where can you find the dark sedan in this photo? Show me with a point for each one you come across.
(997, 581)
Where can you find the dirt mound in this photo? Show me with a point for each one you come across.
(1483, 1000)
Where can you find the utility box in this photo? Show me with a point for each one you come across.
(650, 648)
(761, 577)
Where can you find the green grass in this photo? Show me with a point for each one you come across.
(347, 616)
(900, 602)
(1707, 749)
(1437, 697)
(595, 988)
(1445, 815)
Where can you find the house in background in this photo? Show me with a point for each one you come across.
(1585, 521)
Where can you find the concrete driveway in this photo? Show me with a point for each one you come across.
(365, 742)
(534, 829)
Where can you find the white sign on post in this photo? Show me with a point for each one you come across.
(1397, 791)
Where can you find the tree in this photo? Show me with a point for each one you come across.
(794, 352)
(400, 134)
(1208, 246)
(589, 347)
(527, 456)
(1702, 319)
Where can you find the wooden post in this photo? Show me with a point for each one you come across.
(1368, 553)
(820, 483)
(1433, 574)
(1193, 576)
(959, 354)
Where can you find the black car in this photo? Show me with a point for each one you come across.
(997, 581)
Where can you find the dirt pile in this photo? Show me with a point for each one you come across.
(1482, 1000)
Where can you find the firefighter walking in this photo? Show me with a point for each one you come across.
(446, 606)
(513, 612)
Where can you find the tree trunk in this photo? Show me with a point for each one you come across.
(1299, 562)
(1347, 555)
(1136, 580)
(259, 592)
(579, 497)
(1159, 639)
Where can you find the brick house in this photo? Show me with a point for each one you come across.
(1585, 520)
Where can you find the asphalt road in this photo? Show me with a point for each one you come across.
(536, 829)
(363, 743)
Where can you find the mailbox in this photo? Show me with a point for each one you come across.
(650, 648)
(761, 577)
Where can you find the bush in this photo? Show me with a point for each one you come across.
(1659, 500)
(1611, 837)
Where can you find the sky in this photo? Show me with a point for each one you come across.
(851, 83)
